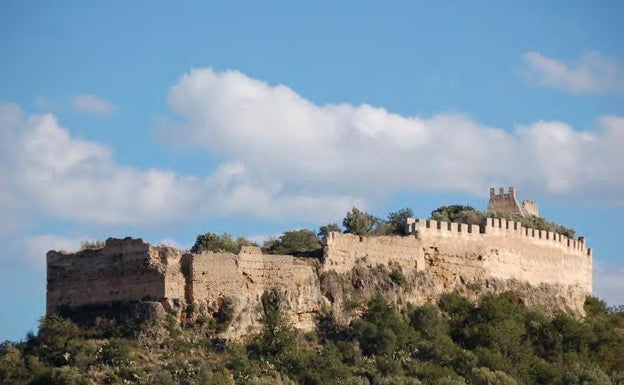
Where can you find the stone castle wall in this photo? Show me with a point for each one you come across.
(451, 255)
(124, 270)
(507, 203)
(343, 251)
(507, 250)
(455, 255)
(244, 278)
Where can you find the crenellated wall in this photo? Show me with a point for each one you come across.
(507, 204)
(458, 254)
(446, 256)
(509, 251)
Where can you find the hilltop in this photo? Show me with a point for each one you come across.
(462, 297)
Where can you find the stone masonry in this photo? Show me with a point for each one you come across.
(451, 255)
(507, 203)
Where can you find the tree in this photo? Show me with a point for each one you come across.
(458, 214)
(381, 329)
(295, 241)
(219, 243)
(328, 228)
(359, 222)
(428, 320)
(397, 220)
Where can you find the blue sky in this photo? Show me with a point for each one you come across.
(162, 122)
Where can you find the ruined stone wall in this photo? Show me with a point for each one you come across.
(436, 257)
(509, 251)
(123, 270)
(530, 208)
(458, 254)
(245, 277)
(343, 250)
(505, 203)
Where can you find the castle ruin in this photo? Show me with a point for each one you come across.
(546, 268)
(507, 204)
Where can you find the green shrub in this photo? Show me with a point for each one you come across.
(214, 242)
(294, 242)
(328, 228)
(359, 222)
(397, 277)
(91, 245)
(225, 314)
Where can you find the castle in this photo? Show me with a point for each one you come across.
(506, 203)
(546, 268)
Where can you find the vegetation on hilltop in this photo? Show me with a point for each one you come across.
(305, 242)
(219, 243)
(472, 216)
(91, 245)
(500, 341)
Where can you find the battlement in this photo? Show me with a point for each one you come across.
(501, 193)
(449, 254)
(507, 204)
(495, 227)
(446, 229)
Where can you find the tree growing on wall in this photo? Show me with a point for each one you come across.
(397, 221)
(359, 222)
(328, 228)
(219, 243)
(458, 214)
(294, 242)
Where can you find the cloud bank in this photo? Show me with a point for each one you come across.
(47, 173)
(284, 139)
(287, 158)
(593, 73)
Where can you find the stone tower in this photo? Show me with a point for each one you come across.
(507, 203)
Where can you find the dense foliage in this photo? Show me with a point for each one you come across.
(305, 242)
(219, 243)
(293, 242)
(362, 223)
(472, 216)
(498, 342)
(359, 222)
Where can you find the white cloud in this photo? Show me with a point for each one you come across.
(51, 174)
(92, 104)
(593, 73)
(288, 158)
(282, 139)
(609, 283)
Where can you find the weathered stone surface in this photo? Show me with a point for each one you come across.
(547, 269)
(507, 203)
(123, 270)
